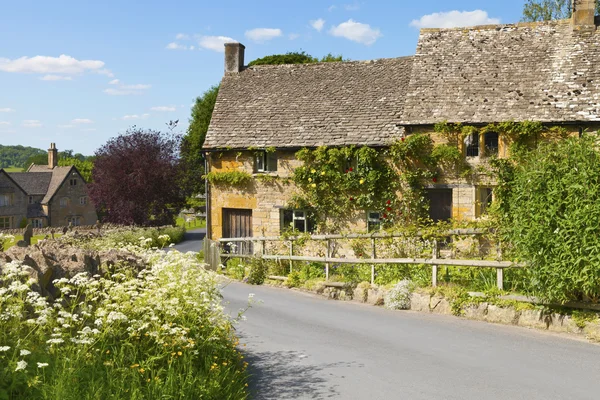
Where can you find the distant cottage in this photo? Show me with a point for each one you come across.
(45, 195)
(545, 72)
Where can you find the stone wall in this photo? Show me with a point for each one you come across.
(18, 208)
(58, 215)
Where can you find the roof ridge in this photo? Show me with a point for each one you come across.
(332, 63)
(534, 24)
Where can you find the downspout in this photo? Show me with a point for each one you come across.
(207, 195)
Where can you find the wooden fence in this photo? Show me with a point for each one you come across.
(435, 261)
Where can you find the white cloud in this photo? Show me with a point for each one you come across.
(114, 82)
(293, 36)
(32, 123)
(5, 123)
(56, 78)
(454, 19)
(318, 24)
(106, 72)
(331, 8)
(135, 116)
(192, 47)
(50, 65)
(263, 34)
(182, 36)
(125, 90)
(215, 43)
(176, 46)
(352, 7)
(68, 126)
(7, 109)
(163, 108)
(82, 121)
(356, 31)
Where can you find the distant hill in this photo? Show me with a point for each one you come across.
(17, 156)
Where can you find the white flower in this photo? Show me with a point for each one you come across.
(251, 295)
(42, 365)
(55, 341)
(21, 365)
(4, 348)
(24, 353)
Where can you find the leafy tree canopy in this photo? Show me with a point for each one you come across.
(546, 10)
(137, 178)
(294, 58)
(18, 156)
(84, 166)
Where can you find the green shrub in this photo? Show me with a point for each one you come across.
(294, 279)
(258, 272)
(551, 216)
(235, 268)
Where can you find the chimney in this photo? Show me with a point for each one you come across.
(234, 57)
(583, 13)
(52, 156)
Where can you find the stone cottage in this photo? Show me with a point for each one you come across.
(545, 72)
(45, 195)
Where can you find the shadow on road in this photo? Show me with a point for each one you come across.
(290, 375)
(194, 236)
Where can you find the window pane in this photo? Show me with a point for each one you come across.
(260, 162)
(491, 143)
(287, 219)
(271, 162)
(440, 204)
(472, 145)
(310, 224)
(300, 224)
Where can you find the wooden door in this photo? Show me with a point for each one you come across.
(440, 204)
(237, 223)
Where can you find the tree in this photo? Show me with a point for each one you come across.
(294, 58)
(137, 178)
(84, 166)
(546, 10)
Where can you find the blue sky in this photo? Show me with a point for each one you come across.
(79, 72)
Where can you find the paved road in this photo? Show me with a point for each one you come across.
(302, 346)
(192, 240)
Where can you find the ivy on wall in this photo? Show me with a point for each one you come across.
(229, 178)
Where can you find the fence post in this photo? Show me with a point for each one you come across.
(291, 254)
(373, 256)
(263, 250)
(499, 271)
(328, 255)
(434, 268)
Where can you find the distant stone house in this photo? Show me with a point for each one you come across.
(546, 72)
(45, 195)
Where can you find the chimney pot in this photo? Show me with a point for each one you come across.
(234, 57)
(584, 12)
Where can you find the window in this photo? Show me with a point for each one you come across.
(490, 140)
(472, 145)
(265, 161)
(6, 200)
(73, 181)
(74, 221)
(373, 221)
(83, 200)
(37, 223)
(440, 204)
(298, 220)
(5, 222)
(486, 196)
(30, 199)
(64, 202)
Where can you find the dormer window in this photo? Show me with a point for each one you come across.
(265, 161)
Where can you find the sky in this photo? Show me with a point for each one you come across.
(80, 72)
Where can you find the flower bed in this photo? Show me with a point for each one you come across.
(159, 333)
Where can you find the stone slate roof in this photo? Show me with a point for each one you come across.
(541, 71)
(37, 176)
(310, 105)
(33, 183)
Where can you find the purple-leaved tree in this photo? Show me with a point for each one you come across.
(136, 178)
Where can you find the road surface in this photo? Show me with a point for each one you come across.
(192, 240)
(303, 346)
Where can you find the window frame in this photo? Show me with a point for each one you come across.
(8, 200)
(83, 201)
(5, 222)
(485, 198)
(265, 162)
(64, 202)
(472, 145)
(73, 182)
(72, 218)
(37, 223)
(490, 151)
(308, 224)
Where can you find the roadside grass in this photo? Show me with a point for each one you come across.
(193, 224)
(13, 169)
(34, 240)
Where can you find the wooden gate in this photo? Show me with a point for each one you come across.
(237, 223)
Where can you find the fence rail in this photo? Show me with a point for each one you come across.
(435, 262)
